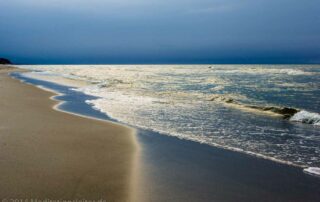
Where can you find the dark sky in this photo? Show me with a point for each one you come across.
(160, 31)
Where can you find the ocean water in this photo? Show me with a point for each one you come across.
(270, 111)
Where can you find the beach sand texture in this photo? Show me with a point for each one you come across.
(47, 154)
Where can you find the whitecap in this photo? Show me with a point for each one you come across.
(312, 171)
(306, 117)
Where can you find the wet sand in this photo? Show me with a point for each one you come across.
(181, 170)
(47, 154)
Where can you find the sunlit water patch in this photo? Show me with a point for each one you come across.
(239, 107)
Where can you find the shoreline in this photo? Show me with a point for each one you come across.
(221, 122)
(120, 153)
(65, 81)
(179, 170)
(60, 102)
(168, 165)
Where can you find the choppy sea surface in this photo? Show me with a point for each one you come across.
(270, 111)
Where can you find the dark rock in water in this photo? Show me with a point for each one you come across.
(229, 100)
(286, 112)
(5, 61)
(222, 99)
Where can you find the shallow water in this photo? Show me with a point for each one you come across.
(178, 170)
(175, 100)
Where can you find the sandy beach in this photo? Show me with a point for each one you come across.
(47, 154)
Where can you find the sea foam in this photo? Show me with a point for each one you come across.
(306, 117)
(312, 171)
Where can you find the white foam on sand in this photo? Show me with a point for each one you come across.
(312, 171)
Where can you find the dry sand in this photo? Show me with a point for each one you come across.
(47, 154)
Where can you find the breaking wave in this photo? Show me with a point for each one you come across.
(285, 112)
(312, 171)
(306, 117)
(291, 114)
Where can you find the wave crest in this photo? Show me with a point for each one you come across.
(312, 171)
(306, 117)
(285, 112)
(292, 114)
